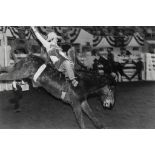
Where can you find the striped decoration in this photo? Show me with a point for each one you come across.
(127, 40)
(139, 39)
(130, 68)
(96, 40)
(45, 29)
(68, 33)
(110, 40)
(16, 31)
(3, 28)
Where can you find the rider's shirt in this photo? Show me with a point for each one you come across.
(62, 63)
(60, 59)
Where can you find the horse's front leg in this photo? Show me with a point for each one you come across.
(78, 113)
(86, 108)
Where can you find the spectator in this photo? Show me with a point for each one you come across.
(17, 92)
(101, 64)
(122, 52)
(89, 59)
(103, 67)
(139, 68)
(110, 55)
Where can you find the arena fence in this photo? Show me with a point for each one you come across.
(150, 66)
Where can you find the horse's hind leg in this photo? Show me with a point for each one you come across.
(86, 108)
(78, 113)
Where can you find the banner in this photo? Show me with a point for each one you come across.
(125, 40)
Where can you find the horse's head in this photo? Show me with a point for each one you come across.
(106, 88)
(107, 97)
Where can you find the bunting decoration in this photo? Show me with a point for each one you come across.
(96, 40)
(139, 38)
(70, 34)
(127, 40)
(3, 28)
(118, 41)
(14, 32)
(110, 40)
(45, 29)
(23, 32)
(18, 32)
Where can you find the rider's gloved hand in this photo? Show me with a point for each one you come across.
(34, 29)
(74, 82)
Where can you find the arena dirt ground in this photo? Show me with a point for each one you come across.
(134, 109)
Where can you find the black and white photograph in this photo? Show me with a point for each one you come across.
(71, 77)
(77, 77)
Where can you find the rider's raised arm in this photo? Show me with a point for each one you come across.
(40, 38)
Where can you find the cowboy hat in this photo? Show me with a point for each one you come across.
(53, 35)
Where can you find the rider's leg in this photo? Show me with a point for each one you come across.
(39, 71)
(70, 72)
(54, 59)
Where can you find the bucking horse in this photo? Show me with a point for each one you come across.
(54, 82)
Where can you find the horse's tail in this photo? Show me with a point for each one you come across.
(23, 69)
